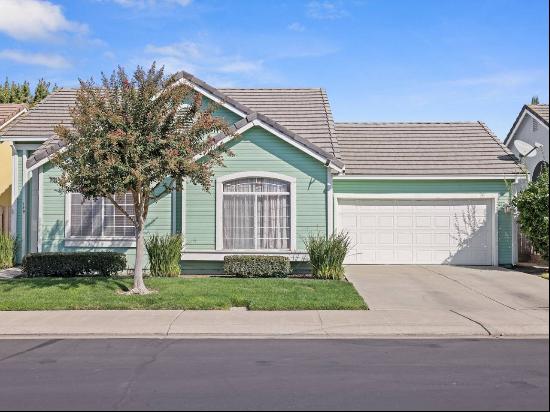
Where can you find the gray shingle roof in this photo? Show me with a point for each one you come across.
(465, 148)
(540, 110)
(9, 110)
(55, 109)
(304, 111)
(41, 120)
(313, 122)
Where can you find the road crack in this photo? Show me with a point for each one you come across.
(40, 345)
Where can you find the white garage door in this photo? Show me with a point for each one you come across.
(455, 232)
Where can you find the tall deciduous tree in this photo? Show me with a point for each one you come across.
(142, 135)
(532, 207)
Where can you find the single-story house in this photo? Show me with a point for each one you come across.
(407, 193)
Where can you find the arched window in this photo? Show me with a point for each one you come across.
(538, 169)
(256, 212)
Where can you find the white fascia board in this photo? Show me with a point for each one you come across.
(510, 136)
(519, 122)
(2, 126)
(212, 97)
(45, 160)
(425, 177)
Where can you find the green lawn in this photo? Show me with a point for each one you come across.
(178, 293)
(544, 276)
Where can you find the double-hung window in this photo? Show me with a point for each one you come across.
(256, 214)
(99, 218)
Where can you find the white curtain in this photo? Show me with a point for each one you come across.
(273, 222)
(238, 222)
(256, 214)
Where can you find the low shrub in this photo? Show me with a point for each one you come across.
(74, 264)
(7, 251)
(257, 266)
(164, 254)
(327, 254)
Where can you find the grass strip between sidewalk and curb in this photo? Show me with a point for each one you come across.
(178, 293)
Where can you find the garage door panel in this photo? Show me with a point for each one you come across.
(418, 231)
(367, 221)
(404, 238)
(385, 221)
(404, 222)
(367, 238)
(384, 238)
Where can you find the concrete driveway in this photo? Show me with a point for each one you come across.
(501, 300)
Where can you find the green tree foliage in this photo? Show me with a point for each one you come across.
(532, 207)
(41, 90)
(141, 135)
(535, 100)
(11, 92)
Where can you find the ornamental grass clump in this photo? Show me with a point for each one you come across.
(164, 254)
(7, 251)
(327, 254)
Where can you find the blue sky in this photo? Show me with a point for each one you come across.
(379, 60)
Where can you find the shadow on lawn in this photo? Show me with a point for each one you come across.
(66, 283)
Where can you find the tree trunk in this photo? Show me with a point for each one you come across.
(139, 285)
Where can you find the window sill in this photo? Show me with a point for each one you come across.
(294, 256)
(100, 242)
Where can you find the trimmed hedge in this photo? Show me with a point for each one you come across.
(74, 264)
(257, 266)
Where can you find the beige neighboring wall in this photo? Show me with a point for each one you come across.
(9, 112)
(5, 185)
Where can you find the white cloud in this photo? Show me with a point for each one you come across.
(53, 61)
(326, 10)
(35, 19)
(201, 59)
(140, 4)
(296, 27)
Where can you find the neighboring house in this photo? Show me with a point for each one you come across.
(8, 113)
(409, 193)
(531, 126)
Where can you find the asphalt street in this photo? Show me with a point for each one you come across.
(376, 374)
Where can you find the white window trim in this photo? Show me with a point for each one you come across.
(494, 197)
(219, 208)
(91, 241)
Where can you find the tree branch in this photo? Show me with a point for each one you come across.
(120, 208)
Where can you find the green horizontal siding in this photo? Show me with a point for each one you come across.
(258, 150)
(53, 219)
(505, 220)
(201, 267)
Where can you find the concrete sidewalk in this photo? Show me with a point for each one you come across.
(239, 324)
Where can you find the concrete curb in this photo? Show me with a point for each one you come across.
(265, 325)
